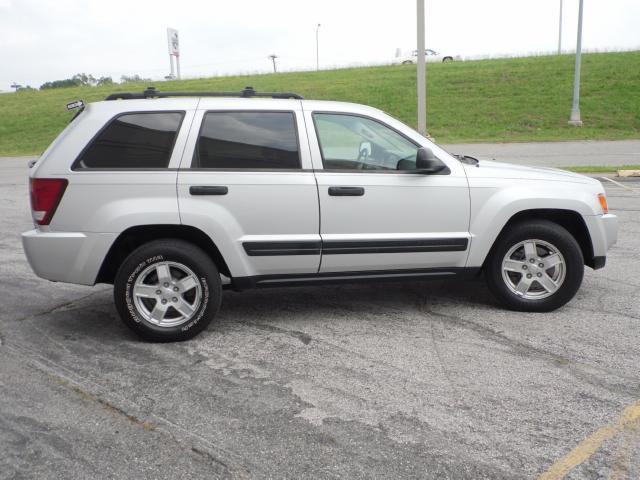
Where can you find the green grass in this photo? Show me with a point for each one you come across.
(601, 168)
(506, 100)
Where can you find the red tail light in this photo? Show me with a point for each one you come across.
(46, 194)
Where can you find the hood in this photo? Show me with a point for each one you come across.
(491, 169)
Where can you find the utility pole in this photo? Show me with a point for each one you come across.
(273, 57)
(317, 49)
(575, 109)
(422, 74)
(560, 31)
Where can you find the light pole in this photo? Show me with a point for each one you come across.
(273, 57)
(317, 48)
(422, 74)
(560, 30)
(575, 110)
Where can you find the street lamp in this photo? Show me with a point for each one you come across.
(273, 57)
(422, 75)
(317, 49)
(575, 110)
(560, 31)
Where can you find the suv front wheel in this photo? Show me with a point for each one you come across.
(536, 267)
(167, 290)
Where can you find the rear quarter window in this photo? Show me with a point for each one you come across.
(133, 140)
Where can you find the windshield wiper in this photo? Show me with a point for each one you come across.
(468, 160)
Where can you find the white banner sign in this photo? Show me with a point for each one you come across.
(174, 44)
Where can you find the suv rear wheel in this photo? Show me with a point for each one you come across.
(535, 267)
(167, 290)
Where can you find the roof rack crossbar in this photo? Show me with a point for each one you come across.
(248, 92)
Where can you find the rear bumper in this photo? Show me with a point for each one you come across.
(70, 257)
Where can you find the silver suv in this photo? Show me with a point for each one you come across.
(173, 197)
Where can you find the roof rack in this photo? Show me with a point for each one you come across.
(248, 92)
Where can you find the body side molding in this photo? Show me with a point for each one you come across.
(345, 247)
(261, 281)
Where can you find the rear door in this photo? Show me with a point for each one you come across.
(246, 181)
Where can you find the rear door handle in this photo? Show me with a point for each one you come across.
(346, 191)
(209, 190)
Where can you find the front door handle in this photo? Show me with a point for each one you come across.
(346, 191)
(209, 190)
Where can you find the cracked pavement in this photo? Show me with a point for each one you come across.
(399, 380)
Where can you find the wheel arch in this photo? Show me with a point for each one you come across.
(447, 58)
(134, 237)
(571, 220)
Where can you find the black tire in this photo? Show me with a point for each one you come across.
(545, 231)
(407, 62)
(202, 299)
(447, 59)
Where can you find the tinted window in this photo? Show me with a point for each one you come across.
(357, 143)
(249, 140)
(134, 140)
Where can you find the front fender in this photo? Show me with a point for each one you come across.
(492, 208)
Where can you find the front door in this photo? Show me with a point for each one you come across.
(377, 213)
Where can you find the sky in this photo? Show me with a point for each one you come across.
(54, 39)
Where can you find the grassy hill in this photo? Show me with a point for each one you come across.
(506, 100)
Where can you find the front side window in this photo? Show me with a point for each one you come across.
(133, 140)
(248, 140)
(351, 142)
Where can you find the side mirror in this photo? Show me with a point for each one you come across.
(427, 162)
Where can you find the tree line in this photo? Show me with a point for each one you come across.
(82, 80)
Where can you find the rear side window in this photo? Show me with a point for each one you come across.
(248, 140)
(133, 140)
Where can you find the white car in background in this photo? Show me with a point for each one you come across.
(431, 56)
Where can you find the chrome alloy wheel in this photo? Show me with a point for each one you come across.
(167, 294)
(533, 269)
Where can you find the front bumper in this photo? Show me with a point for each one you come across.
(70, 257)
(604, 234)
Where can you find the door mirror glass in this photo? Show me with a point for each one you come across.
(427, 162)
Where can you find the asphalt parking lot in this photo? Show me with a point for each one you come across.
(401, 380)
